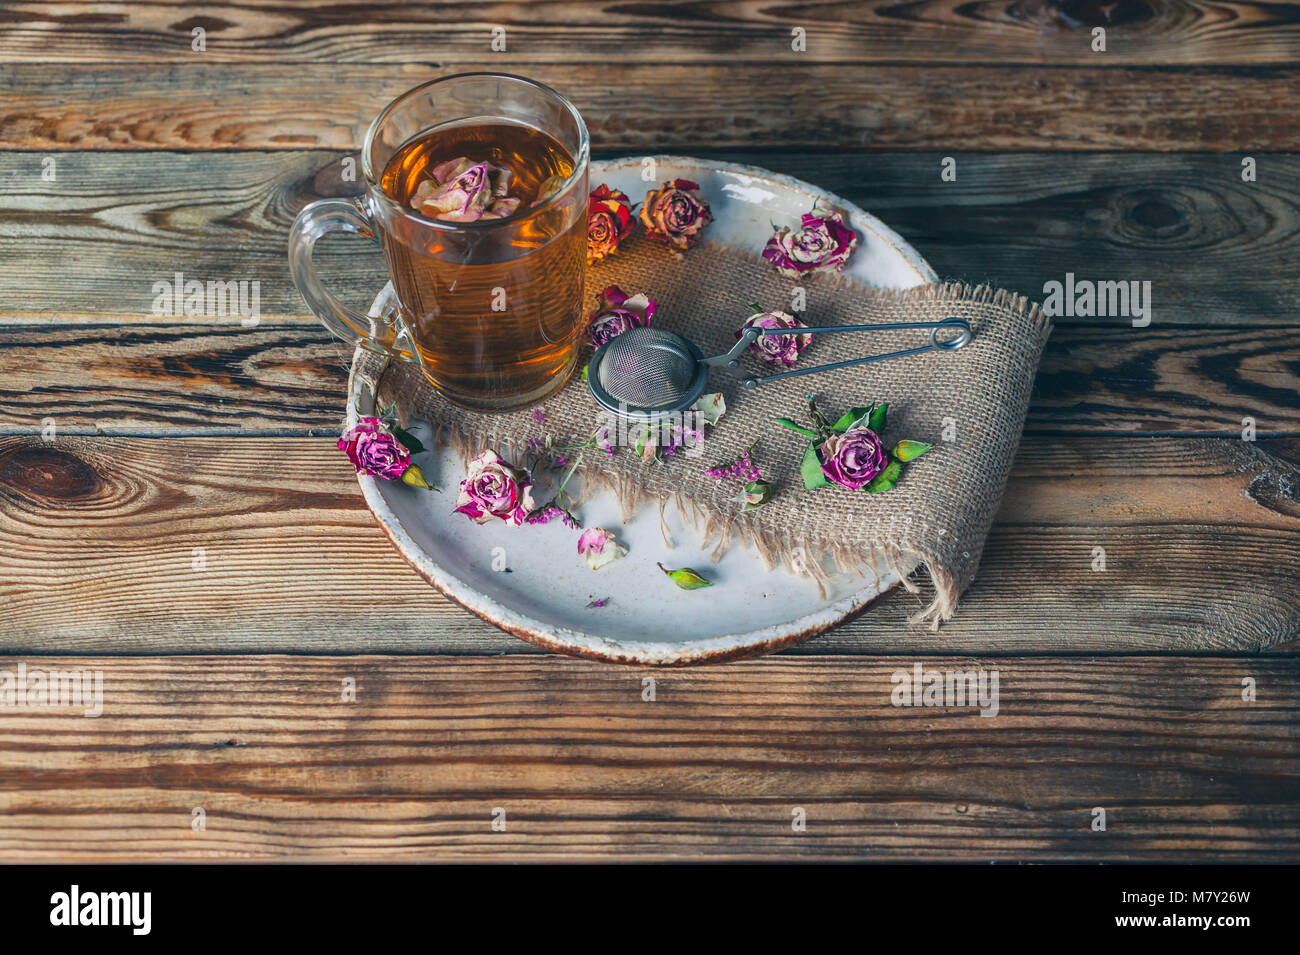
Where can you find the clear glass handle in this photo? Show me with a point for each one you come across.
(383, 334)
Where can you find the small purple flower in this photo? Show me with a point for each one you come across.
(539, 416)
(854, 458)
(373, 449)
(549, 512)
(492, 489)
(742, 467)
(776, 349)
(823, 243)
(616, 312)
(684, 436)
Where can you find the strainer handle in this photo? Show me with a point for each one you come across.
(751, 334)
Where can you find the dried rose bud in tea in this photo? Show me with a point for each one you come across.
(461, 190)
(494, 301)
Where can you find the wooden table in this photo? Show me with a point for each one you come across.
(173, 511)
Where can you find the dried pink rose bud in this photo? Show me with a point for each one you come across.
(822, 243)
(465, 191)
(492, 489)
(776, 349)
(616, 312)
(609, 221)
(600, 547)
(854, 458)
(676, 213)
(373, 449)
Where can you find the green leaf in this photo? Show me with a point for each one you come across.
(584, 372)
(885, 479)
(910, 450)
(876, 422)
(811, 469)
(410, 441)
(806, 432)
(686, 578)
(849, 419)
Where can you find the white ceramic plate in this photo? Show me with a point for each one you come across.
(531, 581)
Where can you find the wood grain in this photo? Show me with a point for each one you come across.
(713, 768)
(1167, 381)
(200, 105)
(98, 539)
(290, 378)
(1215, 249)
(1141, 32)
(204, 510)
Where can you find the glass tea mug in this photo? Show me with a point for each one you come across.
(492, 310)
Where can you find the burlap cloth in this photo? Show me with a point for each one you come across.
(938, 515)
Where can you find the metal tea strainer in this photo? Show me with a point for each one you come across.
(647, 372)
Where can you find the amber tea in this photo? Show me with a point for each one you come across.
(476, 186)
(494, 299)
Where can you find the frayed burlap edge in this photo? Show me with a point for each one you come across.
(778, 549)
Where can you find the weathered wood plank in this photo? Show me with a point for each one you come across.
(290, 377)
(199, 105)
(1035, 31)
(98, 538)
(1215, 249)
(713, 768)
(1168, 380)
